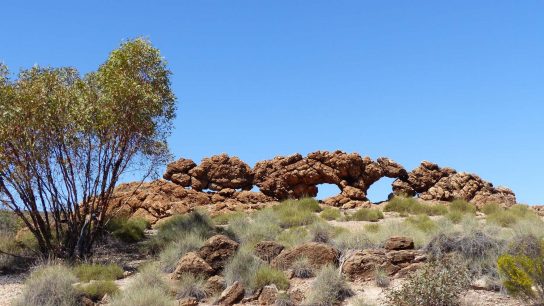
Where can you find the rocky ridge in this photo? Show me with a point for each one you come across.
(226, 182)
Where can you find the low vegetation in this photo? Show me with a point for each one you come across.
(437, 283)
(302, 268)
(190, 286)
(50, 286)
(330, 213)
(328, 288)
(88, 272)
(366, 214)
(169, 257)
(128, 230)
(267, 275)
(406, 206)
(96, 290)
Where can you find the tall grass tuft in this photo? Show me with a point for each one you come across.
(328, 288)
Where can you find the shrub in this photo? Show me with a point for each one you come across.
(242, 267)
(490, 208)
(330, 213)
(88, 272)
(128, 230)
(50, 286)
(523, 277)
(381, 278)
(296, 212)
(372, 227)
(302, 268)
(176, 228)
(8, 222)
(328, 288)
(323, 232)
(294, 236)
(462, 206)
(477, 248)
(422, 222)
(525, 245)
(405, 206)
(147, 288)
(224, 219)
(352, 241)
(366, 214)
(263, 226)
(436, 284)
(267, 275)
(191, 286)
(96, 290)
(283, 299)
(455, 216)
(170, 256)
(509, 217)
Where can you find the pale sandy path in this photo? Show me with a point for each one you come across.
(11, 286)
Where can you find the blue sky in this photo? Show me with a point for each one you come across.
(459, 83)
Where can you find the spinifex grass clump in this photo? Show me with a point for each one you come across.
(406, 206)
(328, 288)
(87, 272)
(297, 212)
(366, 214)
(128, 230)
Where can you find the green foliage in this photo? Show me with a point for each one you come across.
(176, 228)
(96, 290)
(405, 206)
(292, 213)
(372, 227)
(490, 208)
(170, 256)
(381, 279)
(330, 213)
(190, 286)
(509, 217)
(323, 232)
(78, 135)
(50, 286)
(436, 284)
(294, 236)
(366, 214)
(267, 275)
(328, 288)
(88, 272)
(147, 288)
(462, 206)
(243, 267)
(128, 230)
(455, 216)
(422, 222)
(224, 219)
(523, 276)
(263, 226)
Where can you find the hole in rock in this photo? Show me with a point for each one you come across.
(327, 190)
(380, 190)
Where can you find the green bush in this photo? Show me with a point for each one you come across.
(381, 279)
(490, 208)
(509, 217)
(462, 206)
(330, 213)
(366, 214)
(88, 272)
(297, 212)
(50, 286)
(294, 236)
(328, 288)
(372, 227)
(128, 230)
(176, 228)
(406, 206)
(264, 225)
(422, 222)
(323, 232)
(224, 219)
(170, 256)
(147, 288)
(455, 216)
(523, 276)
(437, 284)
(95, 290)
(267, 275)
(242, 267)
(190, 286)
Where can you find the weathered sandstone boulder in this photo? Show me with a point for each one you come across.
(193, 264)
(268, 295)
(318, 255)
(232, 295)
(214, 285)
(268, 250)
(399, 243)
(217, 250)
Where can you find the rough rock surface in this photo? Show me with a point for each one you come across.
(232, 295)
(192, 263)
(214, 285)
(361, 265)
(268, 250)
(434, 183)
(221, 184)
(318, 255)
(217, 250)
(268, 295)
(399, 243)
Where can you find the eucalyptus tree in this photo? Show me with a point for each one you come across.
(67, 138)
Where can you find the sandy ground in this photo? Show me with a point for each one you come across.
(11, 286)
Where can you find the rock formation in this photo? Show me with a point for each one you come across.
(226, 181)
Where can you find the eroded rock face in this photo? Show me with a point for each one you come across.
(296, 176)
(193, 264)
(434, 183)
(217, 250)
(318, 255)
(268, 250)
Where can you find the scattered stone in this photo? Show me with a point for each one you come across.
(268, 295)
(217, 250)
(190, 301)
(318, 255)
(214, 285)
(268, 250)
(399, 243)
(233, 294)
(192, 263)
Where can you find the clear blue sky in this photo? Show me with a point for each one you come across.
(460, 83)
